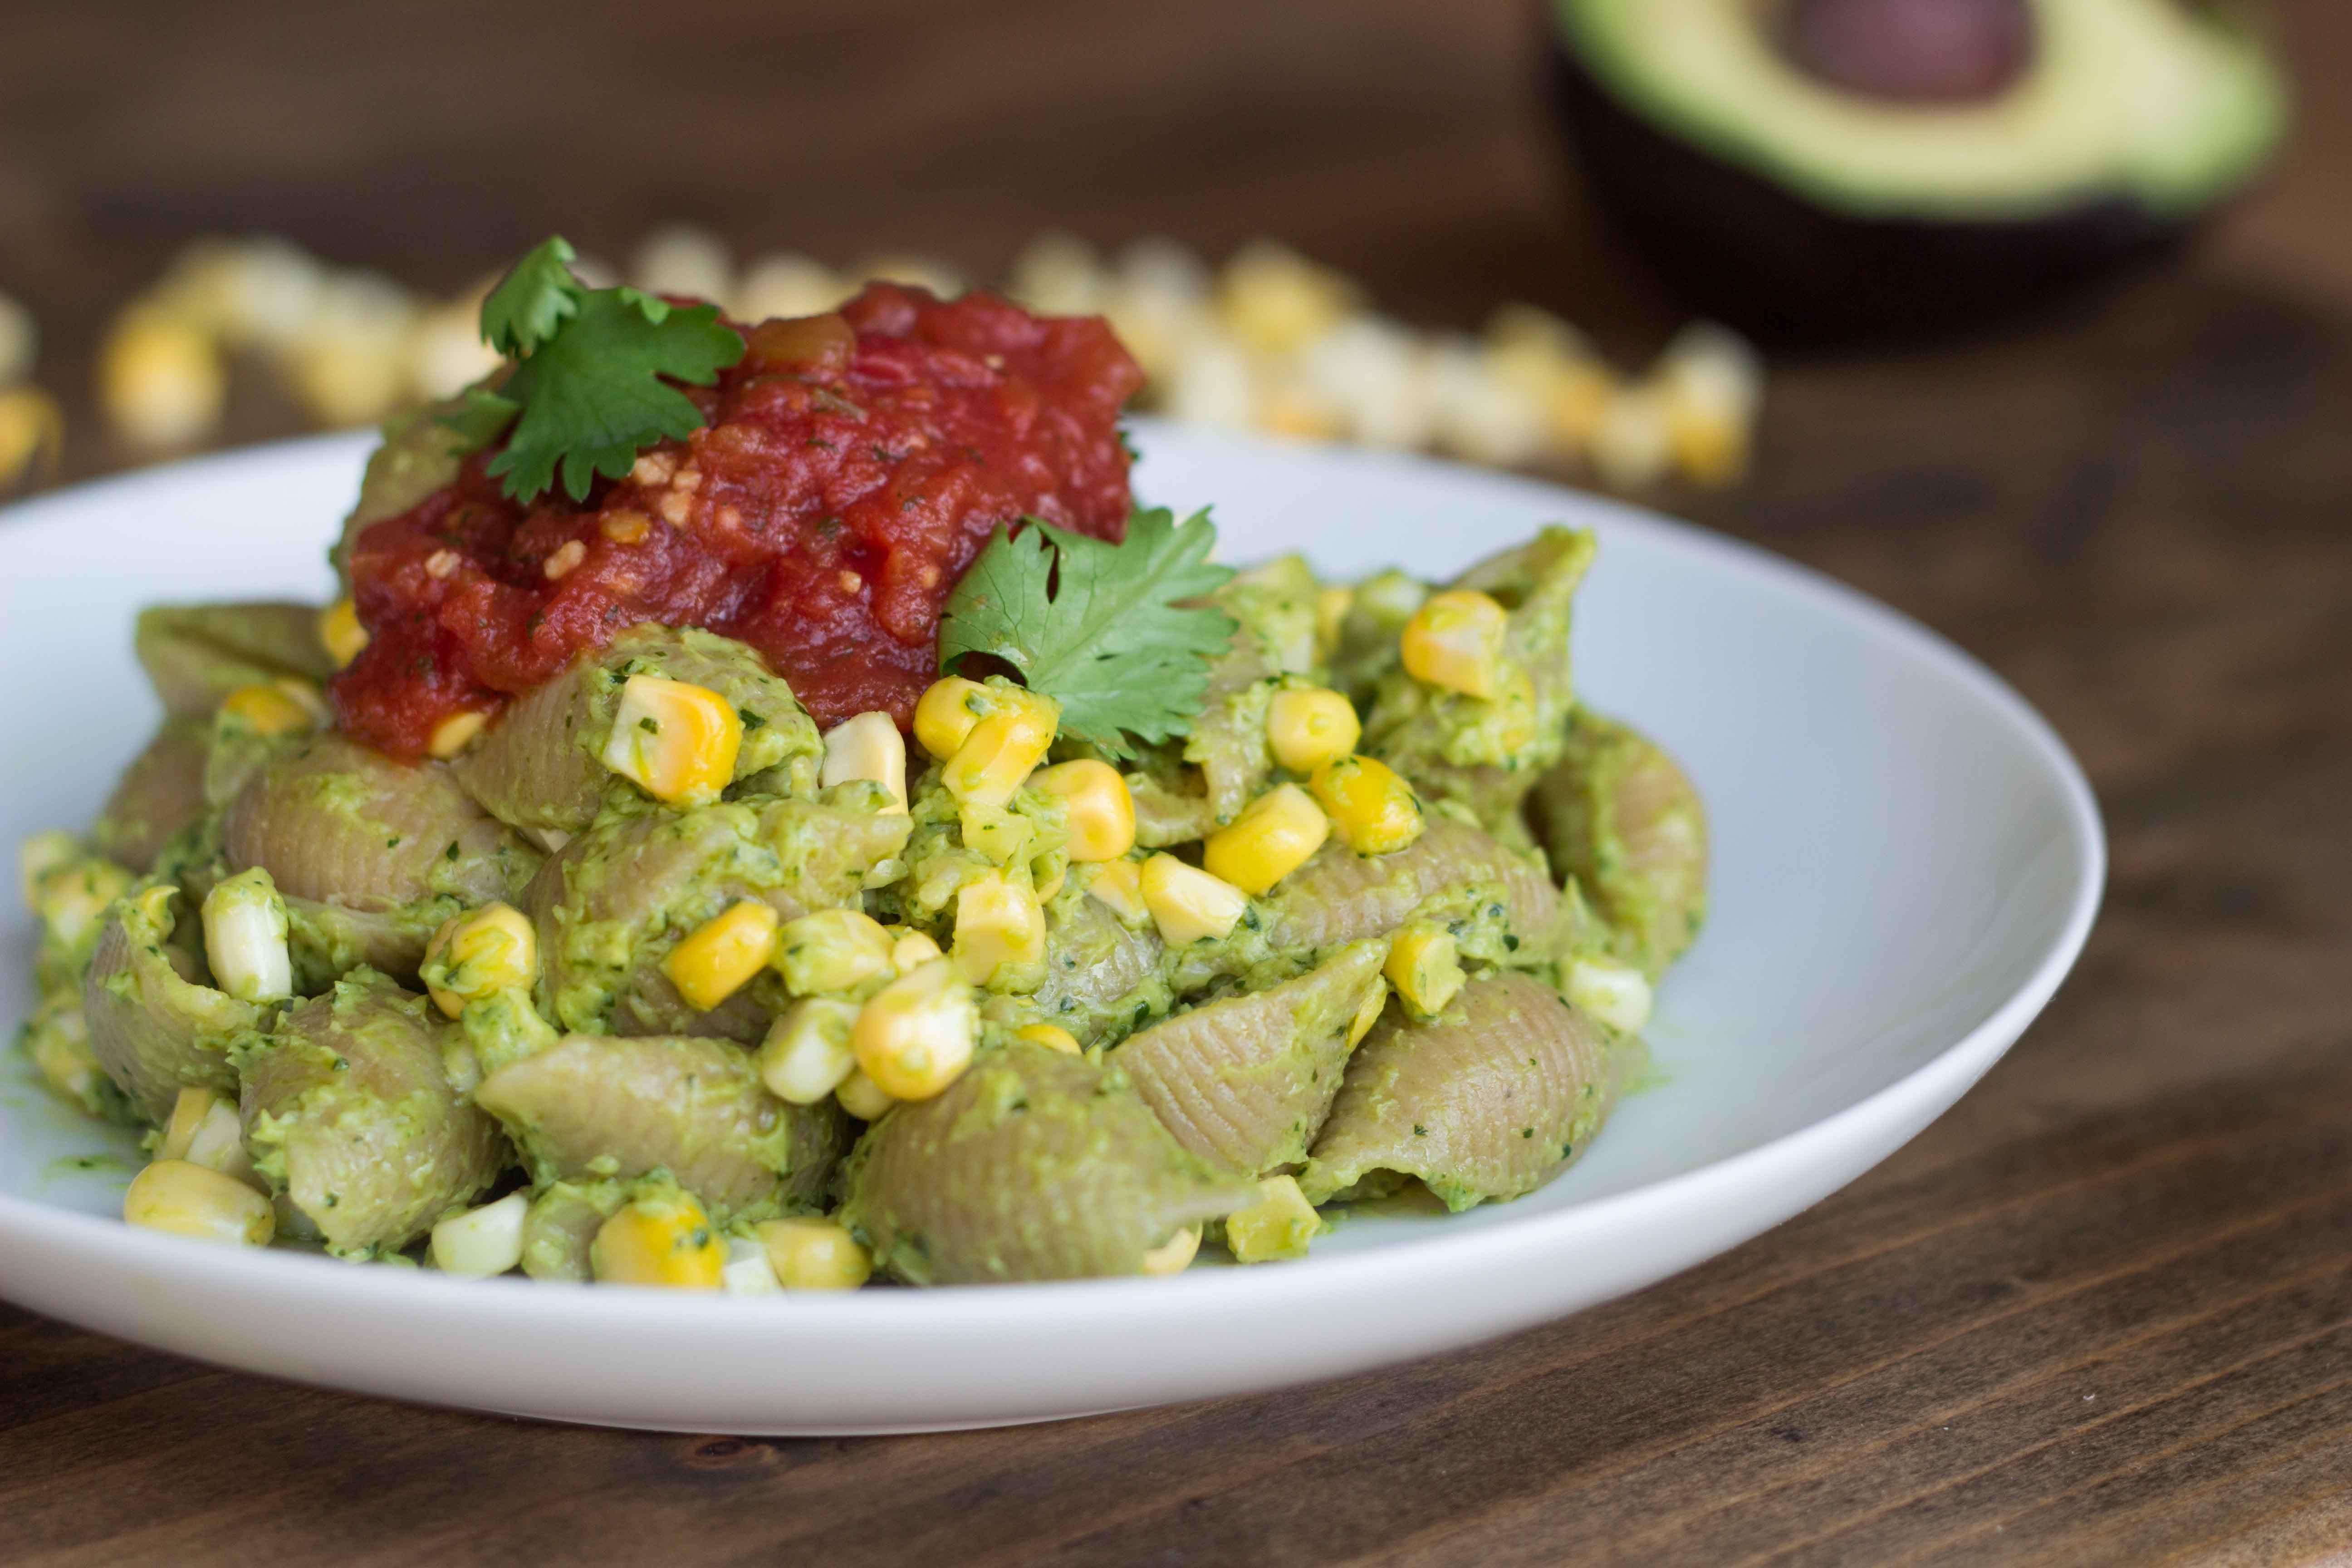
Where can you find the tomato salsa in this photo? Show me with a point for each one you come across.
(851, 467)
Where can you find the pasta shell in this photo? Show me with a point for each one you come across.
(1621, 818)
(162, 792)
(195, 655)
(153, 1028)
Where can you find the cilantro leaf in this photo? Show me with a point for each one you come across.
(534, 299)
(1107, 630)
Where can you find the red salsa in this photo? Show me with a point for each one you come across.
(851, 467)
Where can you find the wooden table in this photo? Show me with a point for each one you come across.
(2100, 1313)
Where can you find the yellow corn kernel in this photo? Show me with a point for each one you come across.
(482, 1242)
(1310, 727)
(161, 379)
(1175, 1255)
(1456, 641)
(72, 899)
(911, 950)
(944, 715)
(1117, 885)
(340, 634)
(1331, 608)
(1188, 903)
(1053, 1036)
(1002, 748)
(455, 733)
(863, 1098)
(1425, 967)
(916, 1036)
(32, 433)
(815, 1254)
(1274, 300)
(1711, 384)
(807, 1052)
(42, 853)
(477, 956)
(1271, 838)
(997, 923)
(1373, 809)
(868, 747)
(204, 1130)
(675, 741)
(187, 1199)
(666, 1241)
(1368, 1013)
(1616, 993)
(1054, 879)
(719, 956)
(245, 926)
(1101, 809)
(1279, 1225)
(831, 950)
(275, 707)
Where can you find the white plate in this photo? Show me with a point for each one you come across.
(1907, 863)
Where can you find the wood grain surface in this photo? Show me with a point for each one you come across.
(2101, 1312)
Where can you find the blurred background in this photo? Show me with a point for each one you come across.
(1385, 175)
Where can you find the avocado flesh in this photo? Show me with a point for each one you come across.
(2140, 100)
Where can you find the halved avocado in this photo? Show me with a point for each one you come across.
(1910, 163)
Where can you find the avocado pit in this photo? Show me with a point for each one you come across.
(1911, 51)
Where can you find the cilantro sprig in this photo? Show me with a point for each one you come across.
(591, 383)
(1114, 633)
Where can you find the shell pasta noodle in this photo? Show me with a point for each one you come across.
(765, 811)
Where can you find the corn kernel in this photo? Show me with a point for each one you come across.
(245, 926)
(748, 1270)
(868, 747)
(945, 716)
(1310, 727)
(863, 1098)
(1054, 879)
(161, 379)
(1331, 606)
(831, 950)
(1002, 748)
(1616, 993)
(1368, 1013)
(1100, 806)
(454, 734)
(1279, 1225)
(665, 1241)
(187, 1199)
(477, 955)
(1373, 809)
(204, 1130)
(32, 434)
(815, 1254)
(340, 634)
(807, 1052)
(1117, 886)
(42, 853)
(998, 923)
(482, 1241)
(1633, 442)
(720, 957)
(675, 740)
(1272, 838)
(1274, 300)
(1188, 904)
(1456, 641)
(275, 707)
(73, 899)
(1053, 1036)
(1425, 967)
(911, 950)
(916, 1036)
(1176, 1254)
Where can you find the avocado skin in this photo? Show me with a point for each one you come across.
(1769, 261)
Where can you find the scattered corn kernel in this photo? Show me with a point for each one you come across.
(340, 634)
(42, 853)
(944, 715)
(1616, 993)
(1309, 727)
(1175, 1255)
(187, 1199)
(868, 747)
(1279, 1225)
(675, 741)
(815, 1254)
(1331, 606)
(1454, 641)
(1117, 885)
(1368, 1013)
(1002, 748)
(1187, 903)
(916, 1036)
(72, 899)
(663, 1240)
(482, 1241)
(1425, 967)
(245, 938)
(998, 924)
(32, 434)
(1272, 838)
(748, 1270)
(1274, 301)
(1053, 1036)
(477, 955)
(1101, 809)
(1633, 444)
(720, 957)
(204, 1130)
(911, 950)
(454, 734)
(286, 707)
(1371, 807)
(831, 950)
(161, 379)
(807, 1052)
(863, 1098)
